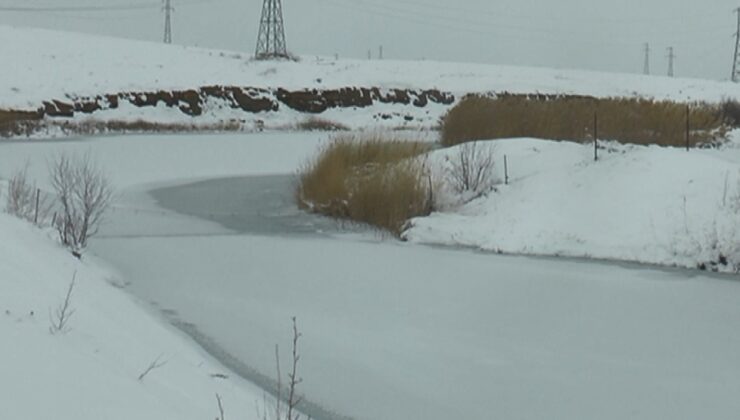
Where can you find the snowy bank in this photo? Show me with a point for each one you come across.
(91, 370)
(636, 203)
(81, 80)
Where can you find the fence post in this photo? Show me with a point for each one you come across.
(688, 127)
(596, 136)
(36, 213)
(506, 171)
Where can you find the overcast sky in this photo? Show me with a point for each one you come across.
(586, 34)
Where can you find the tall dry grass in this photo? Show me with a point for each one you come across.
(373, 180)
(627, 120)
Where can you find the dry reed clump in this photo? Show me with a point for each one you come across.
(370, 180)
(628, 120)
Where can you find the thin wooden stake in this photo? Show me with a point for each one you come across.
(506, 171)
(596, 136)
(36, 214)
(688, 128)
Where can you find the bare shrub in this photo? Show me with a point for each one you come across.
(470, 171)
(320, 124)
(24, 200)
(628, 120)
(20, 198)
(370, 180)
(83, 194)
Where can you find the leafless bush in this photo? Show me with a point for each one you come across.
(64, 311)
(19, 200)
(84, 195)
(471, 170)
(320, 124)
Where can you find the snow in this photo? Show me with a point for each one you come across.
(90, 371)
(398, 331)
(636, 203)
(390, 330)
(394, 331)
(46, 64)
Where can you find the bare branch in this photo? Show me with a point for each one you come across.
(64, 311)
(293, 399)
(156, 364)
(220, 408)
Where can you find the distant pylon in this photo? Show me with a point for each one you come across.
(646, 66)
(736, 57)
(671, 57)
(168, 9)
(271, 38)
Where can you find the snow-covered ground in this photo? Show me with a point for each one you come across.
(648, 204)
(391, 330)
(91, 370)
(41, 65)
(398, 331)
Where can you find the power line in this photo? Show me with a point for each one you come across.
(110, 8)
(137, 6)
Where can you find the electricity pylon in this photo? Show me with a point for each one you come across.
(168, 9)
(646, 66)
(736, 57)
(271, 38)
(671, 57)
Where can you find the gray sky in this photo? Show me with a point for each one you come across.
(585, 34)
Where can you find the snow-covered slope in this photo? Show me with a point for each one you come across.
(649, 204)
(91, 371)
(40, 65)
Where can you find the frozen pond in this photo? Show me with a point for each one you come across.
(259, 205)
(393, 331)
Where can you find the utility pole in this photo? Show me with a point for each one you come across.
(646, 67)
(168, 9)
(271, 38)
(380, 53)
(671, 57)
(736, 58)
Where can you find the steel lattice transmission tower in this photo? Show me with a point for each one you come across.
(271, 39)
(168, 9)
(646, 64)
(736, 57)
(671, 58)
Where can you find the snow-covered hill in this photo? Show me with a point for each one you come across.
(44, 66)
(91, 370)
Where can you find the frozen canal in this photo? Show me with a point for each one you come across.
(397, 332)
(393, 331)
